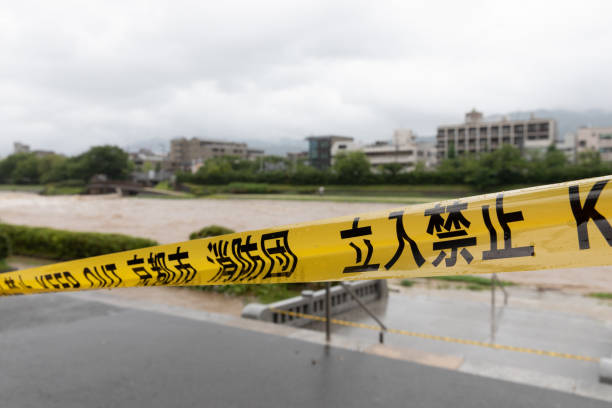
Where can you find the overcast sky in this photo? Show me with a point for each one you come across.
(80, 73)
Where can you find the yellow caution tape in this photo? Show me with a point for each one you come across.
(557, 226)
(442, 338)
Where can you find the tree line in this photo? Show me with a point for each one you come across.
(485, 171)
(33, 168)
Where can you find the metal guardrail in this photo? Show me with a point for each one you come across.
(313, 303)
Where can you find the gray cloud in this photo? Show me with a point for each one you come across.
(75, 74)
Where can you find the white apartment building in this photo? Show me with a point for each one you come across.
(597, 139)
(477, 135)
(403, 149)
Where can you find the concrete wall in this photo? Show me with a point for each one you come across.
(313, 303)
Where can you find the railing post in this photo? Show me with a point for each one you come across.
(383, 328)
(327, 312)
(493, 308)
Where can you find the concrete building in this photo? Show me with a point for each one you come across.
(403, 149)
(568, 146)
(296, 157)
(185, 153)
(598, 139)
(146, 159)
(20, 148)
(320, 149)
(24, 148)
(252, 154)
(476, 135)
(149, 167)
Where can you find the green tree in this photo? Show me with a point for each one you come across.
(391, 169)
(304, 174)
(501, 167)
(26, 170)
(555, 158)
(50, 168)
(451, 150)
(351, 167)
(223, 169)
(589, 158)
(8, 166)
(109, 160)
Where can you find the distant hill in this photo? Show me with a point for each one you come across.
(567, 120)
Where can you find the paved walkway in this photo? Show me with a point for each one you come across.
(531, 319)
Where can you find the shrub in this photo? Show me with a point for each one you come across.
(252, 188)
(210, 231)
(65, 245)
(5, 246)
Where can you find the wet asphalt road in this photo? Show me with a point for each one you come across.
(61, 351)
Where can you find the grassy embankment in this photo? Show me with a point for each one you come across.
(462, 282)
(48, 189)
(403, 194)
(601, 295)
(391, 193)
(26, 188)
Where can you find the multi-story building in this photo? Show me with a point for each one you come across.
(403, 149)
(320, 147)
(20, 148)
(184, 153)
(597, 139)
(477, 135)
(24, 148)
(568, 146)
